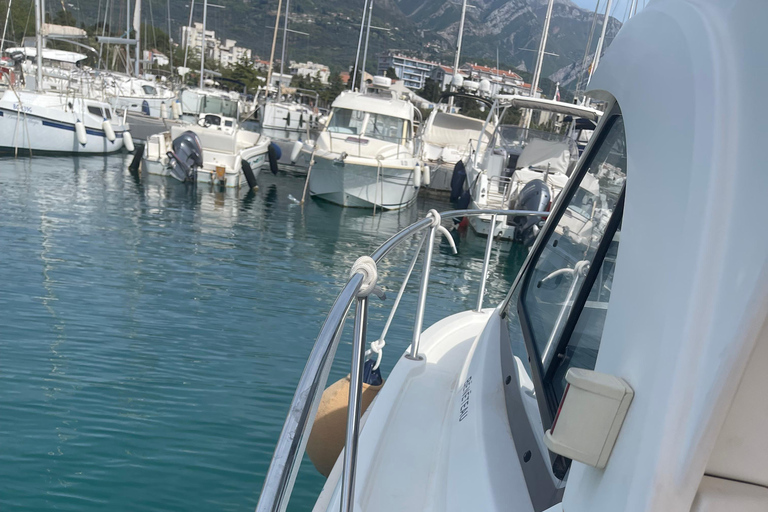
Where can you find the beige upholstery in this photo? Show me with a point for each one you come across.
(212, 140)
(741, 451)
(720, 495)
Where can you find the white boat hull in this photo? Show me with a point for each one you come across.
(361, 183)
(39, 134)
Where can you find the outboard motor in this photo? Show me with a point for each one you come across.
(535, 196)
(186, 157)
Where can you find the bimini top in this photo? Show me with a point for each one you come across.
(374, 103)
(49, 54)
(558, 107)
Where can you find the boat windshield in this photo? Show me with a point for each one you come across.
(357, 122)
(344, 120)
(384, 127)
(218, 105)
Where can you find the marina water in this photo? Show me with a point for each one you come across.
(152, 334)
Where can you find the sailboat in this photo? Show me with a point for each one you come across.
(37, 121)
(622, 373)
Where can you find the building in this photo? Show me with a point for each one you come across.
(311, 70)
(413, 72)
(227, 53)
(503, 81)
(155, 58)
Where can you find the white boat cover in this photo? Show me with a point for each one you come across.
(454, 130)
(49, 54)
(50, 29)
(540, 153)
(374, 104)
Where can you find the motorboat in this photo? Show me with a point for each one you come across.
(365, 156)
(215, 150)
(449, 137)
(291, 121)
(524, 168)
(623, 373)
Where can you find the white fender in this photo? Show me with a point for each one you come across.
(427, 176)
(108, 130)
(80, 131)
(163, 110)
(128, 141)
(296, 151)
(176, 109)
(417, 175)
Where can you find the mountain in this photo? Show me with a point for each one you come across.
(421, 28)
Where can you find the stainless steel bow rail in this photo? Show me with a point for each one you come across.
(281, 475)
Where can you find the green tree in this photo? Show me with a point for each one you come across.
(391, 73)
(430, 91)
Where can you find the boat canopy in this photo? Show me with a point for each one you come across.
(49, 54)
(52, 30)
(374, 104)
(541, 154)
(455, 130)
(558, 107)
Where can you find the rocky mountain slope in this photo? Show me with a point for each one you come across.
(422, 28)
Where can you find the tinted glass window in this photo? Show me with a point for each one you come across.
(559, 272)
(344, 120)
(95, 111)
(384, 128)
(584, 342)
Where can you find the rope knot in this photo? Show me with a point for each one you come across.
(366, 266)
(436, 218)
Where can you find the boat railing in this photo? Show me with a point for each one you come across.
(289, 451)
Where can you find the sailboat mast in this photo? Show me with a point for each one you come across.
(5, 26)
(542, 49)
(365, 51)
(359, 45)
(189, 31)
(458, 48)
(600, 41)
(128, 36)
(202, 49)
(539, 60)
(282, 52)
(170, 35)
(39, 45)
(137, 28)
(274, 42)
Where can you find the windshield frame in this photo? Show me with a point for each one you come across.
(545, 395)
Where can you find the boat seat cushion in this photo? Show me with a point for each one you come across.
(721, 495)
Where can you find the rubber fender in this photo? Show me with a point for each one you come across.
(457, 180)
(128, 141)
(274, 154)
(249, 176)
(80, 132)
(326, 439)
(108, 130)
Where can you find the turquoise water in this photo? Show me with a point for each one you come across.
(151, 334)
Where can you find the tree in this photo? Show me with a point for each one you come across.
(391, 73)
(431, 91)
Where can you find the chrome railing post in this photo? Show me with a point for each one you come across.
(422, 300)
(486, 261)
(353, 413)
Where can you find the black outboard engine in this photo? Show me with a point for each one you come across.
(535, 196)
(186, 157)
